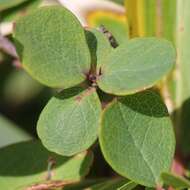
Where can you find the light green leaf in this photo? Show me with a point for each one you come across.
(10, 133)
(52, 47)
(25, 164)
(136, 65)
(99, 47)
(137, 138)
(69, 122)
(175, 181)
(128, 186)
(5, 4)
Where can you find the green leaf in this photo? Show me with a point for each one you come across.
(5, 4)
(10, 133)
(149, 188)
(20, 87)
(99, 46)
(69, 122)
(136, 137)
(109, 184)
(52, 47)
(18, 11)
(25, 164)
(83, 184)
(136, 65)
(128, 186)
(175, 181)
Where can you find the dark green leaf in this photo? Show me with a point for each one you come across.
(26, 164)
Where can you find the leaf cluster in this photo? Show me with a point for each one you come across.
(102, 93)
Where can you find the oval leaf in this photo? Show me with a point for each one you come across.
(136, 65)
(69, 122)
(25, 164)
(52, 47)
(137, 138)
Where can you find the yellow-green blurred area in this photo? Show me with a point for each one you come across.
(22, 98)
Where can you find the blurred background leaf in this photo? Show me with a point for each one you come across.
(10, 133)
(20, 87)
(21, 9)
(5, 4)
(36, 165)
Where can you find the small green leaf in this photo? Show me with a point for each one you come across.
(52, 47)
(25, 164)
(137, 138)
(128, 186)
(69, 122)
(175, 181)
(99, 47)
(136, 65)
(6, 4)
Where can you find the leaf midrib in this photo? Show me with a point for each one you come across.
(141, 153)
